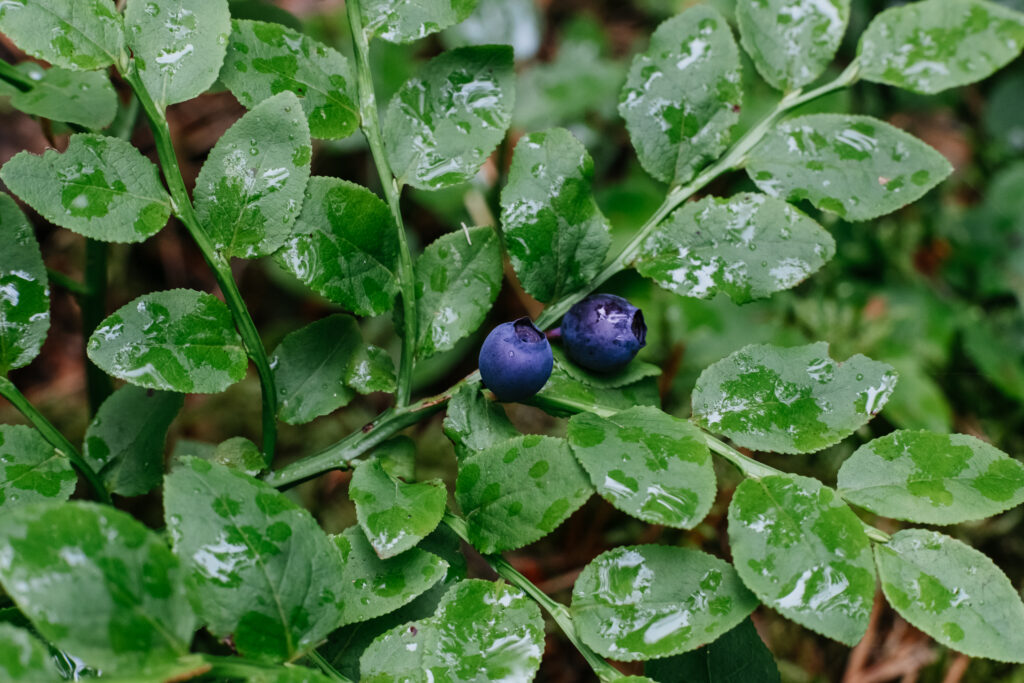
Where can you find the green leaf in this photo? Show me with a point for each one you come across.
(791, 41)
(403, 21)
(124, 443)
(100, 187)
(953, 593)
(682, 97)
(790, 400)
(739, 656)
(634, 372)
(854, 166)
(932, 478)
(482, 631)
(804, 553)
(179, 340)
(287, 674)
(371, 370)
(96, 583)
(565, 395)
(30, 469)
(83, 97)
(649, 601)
(995, 343)
(23, 657)
(933, 45)
(555, 234)
(310, 368)
(178, 45)
(345, 247)
(646, 463)
(238, 453)
(473, 423)
(442, 125)
(250, 190)
(259, 567)
(75, 34)
(395, 515)
(263, 10)
(370, 586)
(265, 59)
(748, 246)
(519, 491)
(24, 290)
(457, 280)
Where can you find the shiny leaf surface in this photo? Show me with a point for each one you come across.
(83, 97)
(74, 34)
(30, 469)
(403, 21)
(24, 290)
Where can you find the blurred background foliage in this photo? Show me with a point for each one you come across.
(936, 289)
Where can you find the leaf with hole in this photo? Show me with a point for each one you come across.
(790, 400)
(24, 290)
(748, 246)
(100, 187)
(804, 553)
(855, 166)
(180, 340)
(264, 59)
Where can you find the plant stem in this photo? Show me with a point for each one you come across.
(748, 466)
(15, 77)
(370, 123)
(327, 668)
(70, 284)
(340, 455)
(184, 210)
(93, 303)
(558, 611)
(56, 439)
(733, 159)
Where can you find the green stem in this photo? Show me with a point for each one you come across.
(327, 668)
(340, 455)
(559, 613)
(56, 439)
(733, 159)
(748, 466)
(392, 191)
(185, 212)
(237, 667)
(15, 77)
(93, 303)
(70, 284)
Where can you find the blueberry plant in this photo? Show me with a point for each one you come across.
(90, 590)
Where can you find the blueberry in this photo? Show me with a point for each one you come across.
(515, 360)
(603, 332)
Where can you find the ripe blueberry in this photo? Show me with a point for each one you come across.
(515, 360)
(603, 332)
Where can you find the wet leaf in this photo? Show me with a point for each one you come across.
(555, 234)
(933, 45)
(30, 469)
(371, 587)
(791, 41)
(250, 190)
(75, 34)
(403, 21)
(519, 491)
(482, 630)
(238, 453)
(473, 423)
(179, 340)
(178, 45)
(739, 656)
(100, 187)
(345, 247)
(259, 567)
(932, 478)
(314, 365)
(855, 166)
(804, 553)
(790, 400)
(395, 515)
(566, 394)
(124, 444)
(24, 290)
(633, 373)
(23, 657)
(650, 601)
(953, 593)
(265, 59)
(135, 613)
(646, 463)
(748, 246)
(682, 97)
(83, 97)
(442, 125)
(457, 280)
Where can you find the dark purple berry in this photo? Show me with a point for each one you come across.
(603, 332)
(515, 360)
